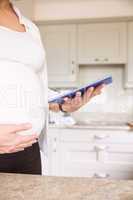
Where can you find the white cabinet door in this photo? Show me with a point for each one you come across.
(26, 7)
(60, 44)
(77, 159)
(129, 67)
(102, 43)
(70, 154)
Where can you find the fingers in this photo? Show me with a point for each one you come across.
(20, 140)
(17, 148)
(92, 92)
(71, 105)
(13, 128)
(67, 100)
(98, 90)
(78, 98)
(87, 96)
(73, 101)
(25, 145)
(21, 127)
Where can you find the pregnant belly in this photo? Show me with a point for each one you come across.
(21, 99)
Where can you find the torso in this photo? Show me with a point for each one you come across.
(21, 59)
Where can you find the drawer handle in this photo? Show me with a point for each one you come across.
(73, 67)
(101, 137)
(97, 59)
(55, 145)
(101, 148)
(100, 175)
(73, 62)
(106, 59)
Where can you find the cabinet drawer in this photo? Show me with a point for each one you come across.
(126, 175)
(87, 135)
(116, 170)
(76, 135)
(78, 153)
(115, 137)
(123, 138)
(97, 171)
(119, 153)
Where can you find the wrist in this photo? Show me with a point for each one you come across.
(61, 108)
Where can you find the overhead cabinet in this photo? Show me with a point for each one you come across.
(129, 66)
(68, 46)
(102, 43)
(60, 45)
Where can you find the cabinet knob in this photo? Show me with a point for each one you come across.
(101, 148)
(73, 71)
(101, 175)
(106, 59)
(97, 59)
(101, 137)
(73, 62)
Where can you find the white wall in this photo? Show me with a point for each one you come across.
(115, 99)
(67, 9)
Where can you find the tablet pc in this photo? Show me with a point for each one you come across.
(71, 94)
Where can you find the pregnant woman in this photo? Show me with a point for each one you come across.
(24, 93)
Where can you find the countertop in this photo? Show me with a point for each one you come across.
(29, 187)
(115, 126)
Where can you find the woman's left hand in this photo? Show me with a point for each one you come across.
(71, 105)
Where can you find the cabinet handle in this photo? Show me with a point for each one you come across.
(106, 59)
(101, 148)
(101, 137)
(73, 71)
(54, 145)
(100, 175)
(97, 59)
(73, 62)
(73, 67)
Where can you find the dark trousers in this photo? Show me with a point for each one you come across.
(24, 162)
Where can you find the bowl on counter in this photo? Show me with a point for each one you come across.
(103, 119)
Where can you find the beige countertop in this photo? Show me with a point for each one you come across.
(99, 126)
(28, 187)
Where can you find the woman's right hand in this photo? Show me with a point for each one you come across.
(11, 142)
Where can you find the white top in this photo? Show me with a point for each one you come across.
(23, 77)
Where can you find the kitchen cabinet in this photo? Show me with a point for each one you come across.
(129, 66)
(26, 7)
(90, 153)
(102, 43)
(70, 45)
(60, 45)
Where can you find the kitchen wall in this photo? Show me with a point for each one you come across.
(71, 9)
(115, 98)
